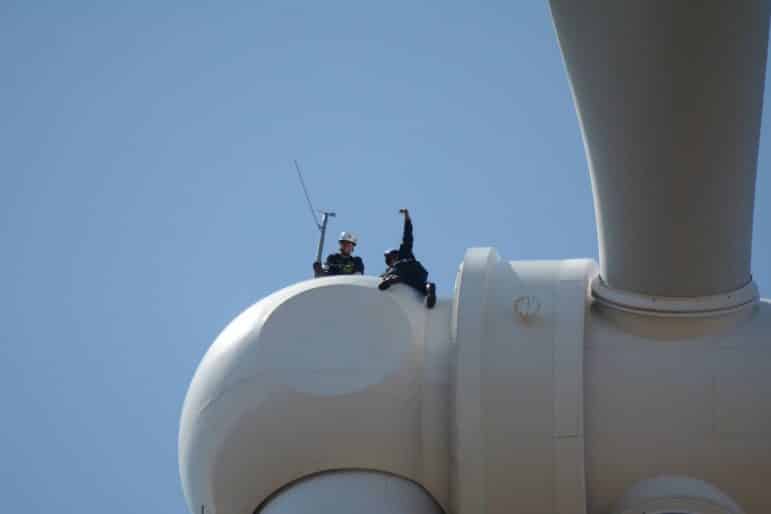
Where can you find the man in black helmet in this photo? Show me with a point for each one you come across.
(343, 262)
(403, 267)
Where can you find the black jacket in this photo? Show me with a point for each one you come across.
(406, 267)
(339, 264)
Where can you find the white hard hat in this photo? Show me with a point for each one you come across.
(347, 236)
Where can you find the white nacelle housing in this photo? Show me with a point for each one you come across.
(328, 374)
(489, 406)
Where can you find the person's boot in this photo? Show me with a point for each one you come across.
(430, 295)
(387, 282)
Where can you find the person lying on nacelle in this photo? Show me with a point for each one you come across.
(403, 267)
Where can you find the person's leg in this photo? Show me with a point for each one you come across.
(430, 292)
(426, 289)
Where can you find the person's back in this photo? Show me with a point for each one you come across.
(409, 270)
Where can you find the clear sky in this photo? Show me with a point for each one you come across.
(147, 195)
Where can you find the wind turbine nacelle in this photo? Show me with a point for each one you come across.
(521, 393)
(637, 385)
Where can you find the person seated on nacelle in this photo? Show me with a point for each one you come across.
(402, 266)
(343, 262)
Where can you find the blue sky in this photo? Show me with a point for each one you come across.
(147, 195)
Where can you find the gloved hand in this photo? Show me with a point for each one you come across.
(387, 282)
(317, 267)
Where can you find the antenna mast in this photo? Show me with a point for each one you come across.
(325, 215)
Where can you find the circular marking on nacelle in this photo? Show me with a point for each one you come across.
(336, 340)
(527, 307)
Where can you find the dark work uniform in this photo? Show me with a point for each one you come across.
(339, 264)
(406, 268)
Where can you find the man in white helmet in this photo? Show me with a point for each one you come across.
(343, 262)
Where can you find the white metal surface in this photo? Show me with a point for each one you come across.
(518, 418)
(699, 306)
(333, 374)
(675, 494)
(684, 396)
(490, 412)
(327, 374)
(352, 492)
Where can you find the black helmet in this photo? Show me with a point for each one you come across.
(391, 254)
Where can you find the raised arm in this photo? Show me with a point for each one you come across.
(405, 249)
